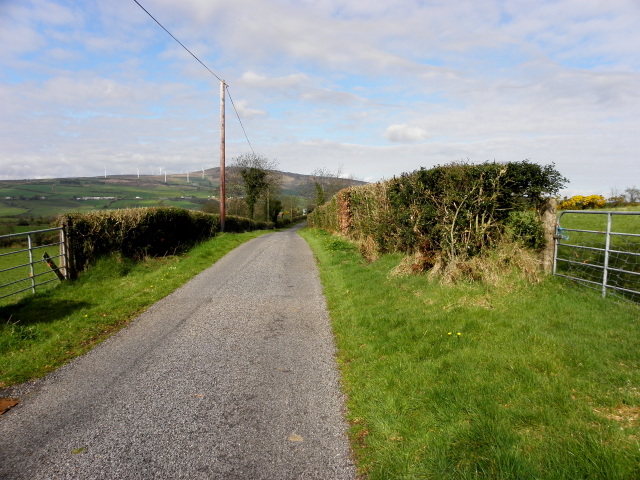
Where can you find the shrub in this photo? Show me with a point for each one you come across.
(445, 213)
(138, 232)
(581, 202)
(527, 228)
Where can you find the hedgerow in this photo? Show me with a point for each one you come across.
(445, 213)
(139, 232)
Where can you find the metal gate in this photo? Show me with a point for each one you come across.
(21, 269)
(600, 250)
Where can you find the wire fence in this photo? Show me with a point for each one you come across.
(26, 265)
(600, 250)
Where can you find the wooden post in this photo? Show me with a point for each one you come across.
(49, 261)
(547, 213)
(70, 250)
(223, 209)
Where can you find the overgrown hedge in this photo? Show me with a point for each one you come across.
(139, 232)
(443, 213)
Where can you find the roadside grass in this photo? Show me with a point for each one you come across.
(515, 381)
(41, 332)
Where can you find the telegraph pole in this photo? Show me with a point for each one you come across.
(223, 209)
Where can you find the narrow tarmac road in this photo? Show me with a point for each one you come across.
(230, 377)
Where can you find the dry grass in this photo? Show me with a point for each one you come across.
(368, 248)
(492, 268)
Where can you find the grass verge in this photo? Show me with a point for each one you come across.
(39, 333)
(514, 381)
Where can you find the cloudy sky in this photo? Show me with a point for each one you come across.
(376, 88)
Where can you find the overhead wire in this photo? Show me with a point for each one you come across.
(210, 71)
(181, 44)
(241, 124)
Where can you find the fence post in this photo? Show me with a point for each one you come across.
(607, 247)
(32, 273)
(64, 253)
(547, 214)
(70, 261)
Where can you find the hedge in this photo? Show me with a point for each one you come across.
(139, 232)
(447, 212)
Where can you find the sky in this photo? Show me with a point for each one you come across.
(371, 89)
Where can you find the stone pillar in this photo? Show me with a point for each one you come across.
(547, 213)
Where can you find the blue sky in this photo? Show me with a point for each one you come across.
(372, 88)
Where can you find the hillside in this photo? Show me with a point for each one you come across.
(22, 201)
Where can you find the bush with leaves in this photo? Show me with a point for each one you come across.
(582, 202)
(526, 227)
(443, 213)
(139, 232)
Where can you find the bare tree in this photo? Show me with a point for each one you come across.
(632, 194)
(253, 177)
(325, 184)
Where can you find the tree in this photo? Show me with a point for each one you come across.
(210, 206)
(254, 183)
(275, 207)
(632, 194)
(325, 184)
(253, 176)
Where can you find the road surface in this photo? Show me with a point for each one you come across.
(230, 377)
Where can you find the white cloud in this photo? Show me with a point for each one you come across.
(245, 112)
(254, 79)
(405, 133)
(352, 82)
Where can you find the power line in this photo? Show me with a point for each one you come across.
(210, 71)
(162, 26)
(238, 115)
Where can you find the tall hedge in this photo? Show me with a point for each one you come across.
(139, 232)
(451, 211)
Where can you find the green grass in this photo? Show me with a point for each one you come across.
(519, 381)
(598, 222)
(588, 260)
(39, 333)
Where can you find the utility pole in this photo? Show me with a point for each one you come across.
(223, 209)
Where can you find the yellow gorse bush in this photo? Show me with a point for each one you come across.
(581, 202)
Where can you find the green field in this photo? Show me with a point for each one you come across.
(588, 263)
(49, 198)
(598, 221)
(22, 274)
(28, 200)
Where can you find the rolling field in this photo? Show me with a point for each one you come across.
(49, 198)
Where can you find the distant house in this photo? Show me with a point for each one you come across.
(96, 198)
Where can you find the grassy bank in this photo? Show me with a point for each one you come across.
(474, 382)
(42, 332)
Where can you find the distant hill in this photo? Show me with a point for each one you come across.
(24, 200)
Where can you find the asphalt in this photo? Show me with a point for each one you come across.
(233, 376)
